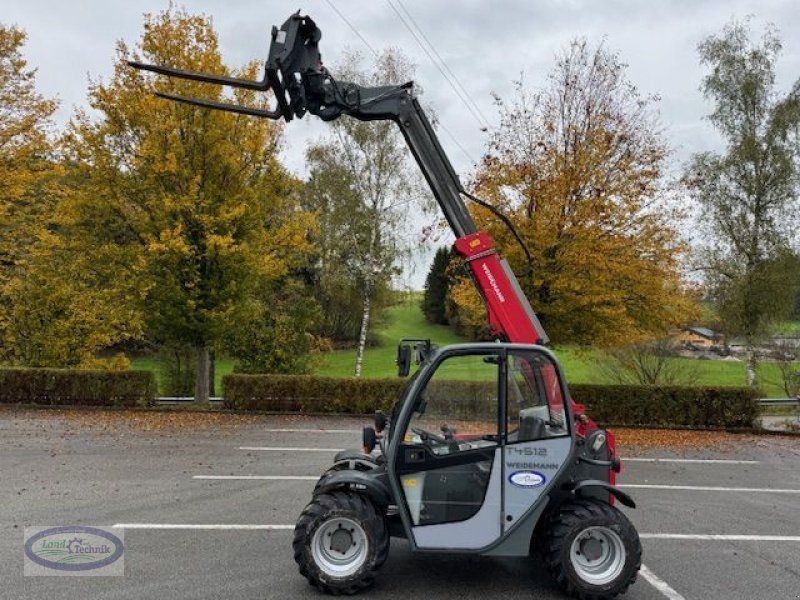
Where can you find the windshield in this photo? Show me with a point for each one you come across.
(398, 403)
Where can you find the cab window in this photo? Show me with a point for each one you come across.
(457, 409)
(535, 408)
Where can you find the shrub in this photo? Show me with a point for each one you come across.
(668, 405)
(76, 387)
(621, 405)
(179, 373)
(306, 393)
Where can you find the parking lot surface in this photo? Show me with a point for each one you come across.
(207, 504)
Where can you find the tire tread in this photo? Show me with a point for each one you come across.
(564, 522)
(345, 504)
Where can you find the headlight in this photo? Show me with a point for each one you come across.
(598, 442)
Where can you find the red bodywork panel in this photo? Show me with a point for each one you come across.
(507, 316)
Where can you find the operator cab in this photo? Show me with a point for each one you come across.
(469, 438)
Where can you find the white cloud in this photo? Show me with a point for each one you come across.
(487, 45)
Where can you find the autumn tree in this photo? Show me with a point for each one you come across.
(363, 185)
(184, 215)
(27, 170)
(578, 168)
(748, 193)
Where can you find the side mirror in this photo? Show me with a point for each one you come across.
(403, 360)
(369, 439)
(380, 421)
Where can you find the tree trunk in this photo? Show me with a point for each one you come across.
(752, 363)
(362, 338)
(201, 380)
(212, 373)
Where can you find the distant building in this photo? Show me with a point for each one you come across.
(699, 337)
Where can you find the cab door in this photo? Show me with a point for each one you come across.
(538, 440)
(449, 460)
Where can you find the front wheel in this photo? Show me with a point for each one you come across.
(340, 541)
(592, 550)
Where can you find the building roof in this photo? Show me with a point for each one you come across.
(704, 332)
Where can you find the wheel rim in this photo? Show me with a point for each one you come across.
(339, 547)
(597, 555)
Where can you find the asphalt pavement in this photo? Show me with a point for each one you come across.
(710, 530)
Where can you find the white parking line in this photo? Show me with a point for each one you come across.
(260, 477)
(712, 537)
(716, 461)
(661, 585)
(712, 461)
(636, 486)
(286, 527)
(703, 488)
(282, 449)
(207, 527)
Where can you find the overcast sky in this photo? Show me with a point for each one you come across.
(485, 44)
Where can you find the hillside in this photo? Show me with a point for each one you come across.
(580, 365)
(405, 320)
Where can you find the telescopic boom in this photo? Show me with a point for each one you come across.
(301, 84)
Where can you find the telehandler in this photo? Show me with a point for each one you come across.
(520, 469)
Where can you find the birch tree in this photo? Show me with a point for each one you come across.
(376, 184)
(748, 192)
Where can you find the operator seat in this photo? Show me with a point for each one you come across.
(531, 428)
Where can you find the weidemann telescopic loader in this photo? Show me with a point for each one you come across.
(520, 470)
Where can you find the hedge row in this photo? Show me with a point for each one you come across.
(621, 405)
(56, 387)
(732, 407)
(309, 394)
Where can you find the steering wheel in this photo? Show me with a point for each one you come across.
(427, 435)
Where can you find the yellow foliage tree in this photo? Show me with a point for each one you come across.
(179, 217)
(578, 168)
(26, 167)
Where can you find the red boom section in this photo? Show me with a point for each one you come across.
(509, 314)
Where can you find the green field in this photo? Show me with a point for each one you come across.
(155, 364)
(581, 366)
(405, 319)
(789, 328)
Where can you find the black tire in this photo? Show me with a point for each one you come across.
(617, 562)
(312, 551)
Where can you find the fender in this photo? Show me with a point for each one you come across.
(356, 481)
(358, 455)
(616, 492)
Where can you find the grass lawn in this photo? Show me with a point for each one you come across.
(153, 363)
(789, 328)
(580, 366)
(405, 320)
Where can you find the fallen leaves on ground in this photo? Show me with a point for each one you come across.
(677, 439)
(181, 420)
(141, 420)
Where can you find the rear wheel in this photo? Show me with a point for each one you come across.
(340, 541)
(592, 550)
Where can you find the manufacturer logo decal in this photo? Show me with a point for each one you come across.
(527, 479)
(493, 283)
